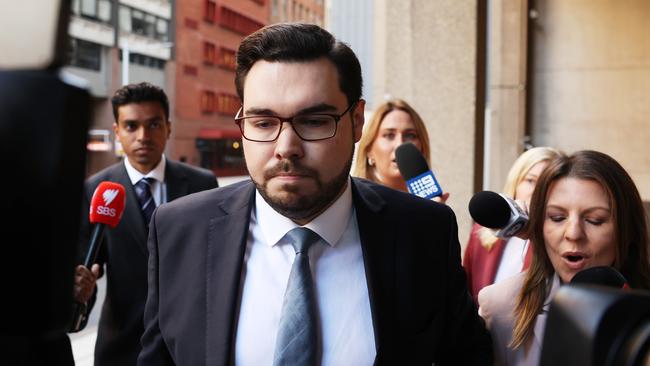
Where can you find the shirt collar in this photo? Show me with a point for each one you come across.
(330, 224)
(157, 173)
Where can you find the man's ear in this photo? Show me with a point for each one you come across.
(358, 119)
(116, 128)
(169, 129)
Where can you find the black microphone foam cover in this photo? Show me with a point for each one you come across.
(410, 161)
(489, 209)
(602, 275)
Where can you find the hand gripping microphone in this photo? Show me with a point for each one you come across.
(496, 211)
(420, 181)
(601, 275)
(106, 208)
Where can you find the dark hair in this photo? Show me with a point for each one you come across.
(629, 222)
(138, 93)
(295, 42)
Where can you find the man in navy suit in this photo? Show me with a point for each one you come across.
(142, 125)
(384, 273)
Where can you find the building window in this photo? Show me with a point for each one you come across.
(223, 156)
(138, 24)
(191, 23)
(162, 29)
(208, 101)
(274, 8)
(227, 58)
(148, 61)
(209, 51)
(98, 10)
(89, 8)
(144, 60)
(86, 55)
(142, 23)
(237, 22)
(210, 11)
(221, 103)
(227, 104)
(190, 70)
(124, 18)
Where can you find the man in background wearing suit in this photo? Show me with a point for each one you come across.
(303, 265)
(142, 125)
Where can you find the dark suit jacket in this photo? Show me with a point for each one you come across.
(421, 309)
(481, 264)
(124, 252)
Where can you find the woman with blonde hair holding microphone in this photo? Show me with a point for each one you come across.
(394, 122)
(489, 259)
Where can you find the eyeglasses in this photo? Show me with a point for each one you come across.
(309, 127)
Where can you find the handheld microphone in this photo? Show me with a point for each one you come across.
(496, 211)
(601, 275)
(106, 209)
(420, 181)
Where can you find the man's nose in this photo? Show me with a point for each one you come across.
(288, 143)
(142, 133)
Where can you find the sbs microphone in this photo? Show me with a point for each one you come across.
(420, 181)
(601, 275)
(496, 211)
(106, 209)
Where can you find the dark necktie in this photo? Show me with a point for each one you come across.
(147, 204)
(296, 343)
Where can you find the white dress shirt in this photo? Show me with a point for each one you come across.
(512, 259)
(338, 272)
(496, 307)
(158, 187)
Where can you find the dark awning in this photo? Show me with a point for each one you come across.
(217, 133)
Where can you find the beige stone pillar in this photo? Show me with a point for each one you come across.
(425, 53)
(505, 115)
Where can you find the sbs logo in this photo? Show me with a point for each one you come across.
(108, 196)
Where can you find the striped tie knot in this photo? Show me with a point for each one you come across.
(145, 198)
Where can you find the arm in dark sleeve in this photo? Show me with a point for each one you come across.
(467, 340)
(154, 350)
(82, 249)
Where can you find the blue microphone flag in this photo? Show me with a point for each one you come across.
(424, 185)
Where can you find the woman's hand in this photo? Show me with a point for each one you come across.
(442, 198)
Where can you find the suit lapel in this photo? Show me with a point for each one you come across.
(133, 220)
(176, 181)
(378, 246)
(227, 235)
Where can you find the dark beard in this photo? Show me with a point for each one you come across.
(304, 207)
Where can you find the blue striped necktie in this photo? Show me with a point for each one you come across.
(297, 340)
(147, 204)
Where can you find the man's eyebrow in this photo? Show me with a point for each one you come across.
(152, 119)
(318, 108)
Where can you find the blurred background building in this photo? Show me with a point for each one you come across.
(188, 48)
(490, 77)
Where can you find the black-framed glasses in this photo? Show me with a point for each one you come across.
(309, 127)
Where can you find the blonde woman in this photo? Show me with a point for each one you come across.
(489, 259)
(393, 123)
(585, 212)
